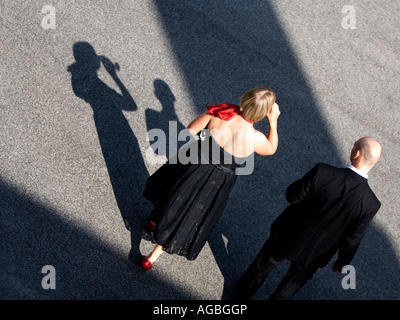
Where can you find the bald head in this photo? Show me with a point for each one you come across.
(365, 153)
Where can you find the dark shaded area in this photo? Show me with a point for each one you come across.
(33, 235)
(225, 48)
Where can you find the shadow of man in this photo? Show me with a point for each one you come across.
(120, 148)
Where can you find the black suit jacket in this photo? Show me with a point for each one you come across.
(330, 210)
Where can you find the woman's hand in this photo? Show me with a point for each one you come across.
(274, 114)
(110, 67)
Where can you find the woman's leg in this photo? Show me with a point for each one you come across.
(156, 253)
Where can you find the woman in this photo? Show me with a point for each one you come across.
(190, 198)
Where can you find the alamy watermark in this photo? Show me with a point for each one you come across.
(49, 20)
(49, 280)
(349, 20)
(349, 280)
(199, 153)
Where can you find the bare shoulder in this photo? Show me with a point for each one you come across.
(199, 123)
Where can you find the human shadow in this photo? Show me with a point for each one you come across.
(224, 49)
(167, 120)
(120, 148)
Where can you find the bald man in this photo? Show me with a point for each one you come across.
(330, 210)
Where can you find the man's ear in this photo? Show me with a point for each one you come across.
(357, 155)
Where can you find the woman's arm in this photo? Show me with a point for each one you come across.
(267, 146)
(127, 102)
(199, 123)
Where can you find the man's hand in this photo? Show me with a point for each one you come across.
(274, 114)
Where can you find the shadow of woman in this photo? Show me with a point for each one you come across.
(120, 148)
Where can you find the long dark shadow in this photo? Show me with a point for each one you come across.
(225, 48)
(119, 145)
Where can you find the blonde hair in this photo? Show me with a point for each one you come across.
(256, 103)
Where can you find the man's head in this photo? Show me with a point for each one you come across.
(365, 153)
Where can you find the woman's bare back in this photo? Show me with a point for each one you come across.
(236, 136)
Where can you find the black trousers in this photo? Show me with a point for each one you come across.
(263, 264)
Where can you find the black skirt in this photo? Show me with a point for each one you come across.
(190, 198)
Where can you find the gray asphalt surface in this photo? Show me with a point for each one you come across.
(73, 166)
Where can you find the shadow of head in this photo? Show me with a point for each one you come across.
(163, 92)
(87, 85)
(84, 70)
(85, 56)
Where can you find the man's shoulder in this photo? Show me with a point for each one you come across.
(328, 173)
(373, 199)
(347, 173)
(324, 167)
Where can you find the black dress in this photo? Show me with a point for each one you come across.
(190, 198)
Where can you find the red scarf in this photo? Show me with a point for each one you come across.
(225, 111)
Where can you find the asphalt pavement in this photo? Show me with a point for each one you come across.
(82, 84)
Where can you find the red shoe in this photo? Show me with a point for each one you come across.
(150, 226)
(146, 264)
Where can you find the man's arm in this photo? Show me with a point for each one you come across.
(301, 188)
(351, 240)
